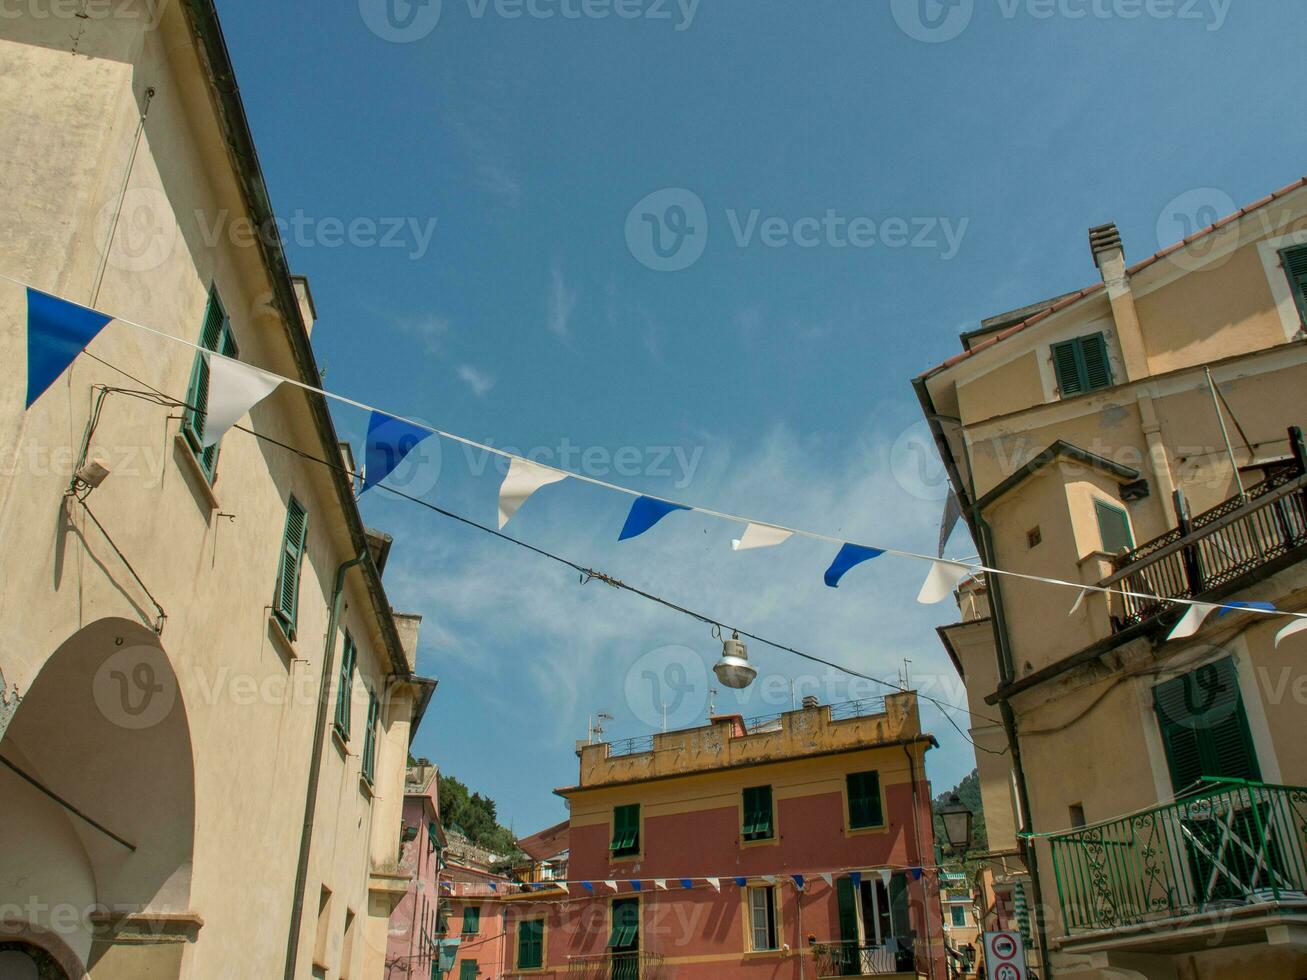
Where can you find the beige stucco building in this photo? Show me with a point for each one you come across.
(184, 792)
(1085, 441)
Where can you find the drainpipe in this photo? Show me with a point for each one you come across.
(315, 765)
(916, 832)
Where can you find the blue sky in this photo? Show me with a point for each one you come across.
(844, 185)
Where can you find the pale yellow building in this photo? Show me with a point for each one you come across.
(1084, 438)
(208, 700)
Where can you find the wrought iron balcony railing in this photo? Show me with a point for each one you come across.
(853, 959)
(616, 966)
(1236, 845)
(1211, 550)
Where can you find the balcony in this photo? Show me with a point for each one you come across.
(1226, 866)
(617, 966)
(897, 957)
(1223, 550)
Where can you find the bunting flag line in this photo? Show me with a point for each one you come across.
(850, 555)
(389, 441)
(741, 882)
(611, 884)
(687, 884)
(234, 388)
(798, 881)
(1192, 621)
(1232, 606)
(524, 478)
(716, 883)
(770, 879)
(1289, 631)
(885, 875)
(828, 878)
(57, 331)
(660, 884)
(645, 513)
(856, 878)
(637, 886)
(916, 873)
(760, 536)
(944, 577)
(563, 886)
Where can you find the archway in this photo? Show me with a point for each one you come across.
(24, 961)
(96, 774)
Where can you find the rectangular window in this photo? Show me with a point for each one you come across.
(345, 687)
(286, 603)
(370, 739)
(626, 830)
(625, 937)
(215, 335)
(1113, 528)
(1204, 726)
(959, 913)
(1077, 815)
(864, 800)
(471, 920)
(1294, 261)
(758, 822)
(762, 917)
(531, 944)
(1082, 365)
(467, 970)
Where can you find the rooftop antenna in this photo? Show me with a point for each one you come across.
(595, 724)
(905, 677)
(712, 701)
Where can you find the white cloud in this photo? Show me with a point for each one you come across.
(561, 303)
(477, 380)
(431, 331)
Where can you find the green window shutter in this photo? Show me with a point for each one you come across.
(1204, 726)
(1113, 528)
(1082, 365)
(758, 819)
(1098, 368)
(626, 925)
(900, 918)
(848, 903)
(345, 689)
(471, 921)
(467, 970)
(959, 914)
(215, 335)
(864, 800)
(370, 739)
(1067, 366)
(286, 602)
(626, 830)
(1294, 261)
(530, 944)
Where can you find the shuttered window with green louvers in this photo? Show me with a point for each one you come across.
(626, 830)
(1294, 261)
(370, 739)
(215, 335)
(1082, 365)
(1113, 528)
(758, 823)
(1205, 727)
(345, 687)
(531, 944)
(864, 800)
(285, 603)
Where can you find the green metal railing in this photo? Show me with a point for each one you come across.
(1232, 844)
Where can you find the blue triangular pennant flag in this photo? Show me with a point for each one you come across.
(588, 886)
(1265, 606)
(389, 441)
(856, 878)
(849, 556)
(916, 874)
(57, 331)
(636, 886)
(687, 884)
(494, 888)
(645, 513)
(798, 881)
(741, 881)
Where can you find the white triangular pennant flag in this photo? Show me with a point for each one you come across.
(1295, 627)
(524, 478)
(1192, 621)
(760, 536)
(715, 882)
(660, 884)
(563, 886)
(234, 388)
(828, 878)
(943, 579)
(770, 879)
(1080, 601)
(611, 884)
(885, 875)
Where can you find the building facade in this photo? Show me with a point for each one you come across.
(794, 846)
(417, 924)
(1141, 437)
(208, 700)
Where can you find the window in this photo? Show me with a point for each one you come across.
(1204, 726)
(1294, 261)
(625, 937)
(531, 944)
(1082, 365)
(286, 603)
(345, 689)
(1077, 815)
(467, 970)
(871, 911)
(1113, 528)
(762, 917)
(864, 800)
(626, 830)
(471, 920)
(758, 823)
(959, 914)
(215, 335)
(1034, 537)
(370, 739)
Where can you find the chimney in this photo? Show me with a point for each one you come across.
(1109, 256)
(810, 702)
(308, 312)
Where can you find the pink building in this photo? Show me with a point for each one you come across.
(416, 924)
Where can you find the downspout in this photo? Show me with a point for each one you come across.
(315, 765)
(982, 534)
(916, 833)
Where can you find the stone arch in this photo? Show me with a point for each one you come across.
(97, 776)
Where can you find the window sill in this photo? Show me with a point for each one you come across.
(191, 464)
(761, 842)
(281, 638)
(863, 831)
(366, 788)
(625, 858)
(339, 740)
(765, 954)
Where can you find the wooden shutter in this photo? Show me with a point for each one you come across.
(467, 970)
(286, 602)
(1205, 727)
(898, 904)
(1067, 366)
(626, 924)
(1113, 528)
(471, 921)
(1294, 261)
(848, 903)
(758, 813)
(864, 800)
(1098, 368)
(370, 740)
(1082, 364)
(626, 830)
(530, 944)
(345, 689)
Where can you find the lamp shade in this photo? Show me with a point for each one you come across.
(734, 669)
(957, 820)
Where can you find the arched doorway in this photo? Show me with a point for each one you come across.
(96, 774)
(23, 961)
